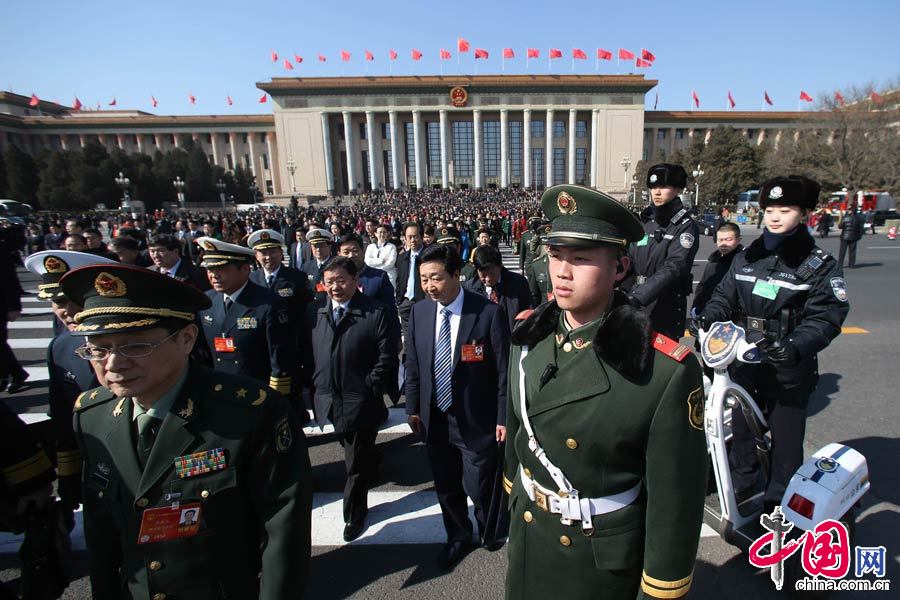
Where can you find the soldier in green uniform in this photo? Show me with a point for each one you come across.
(537, 272)
(197, 483)
(528, 249)
(605, 455)
(450, 235)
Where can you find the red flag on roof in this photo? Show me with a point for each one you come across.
(77, 104)
(192, 99)
(34, 100)
(766, 97)
(805, 97)
(839, 98)
(604, 54)
(154, 101)
(113, 103)
(392, 55)
(730, 99)
(229, 100)
(345, 56)
(462, 45)
(508, 53)
(480, 53)
(534, 53)
(626, 54)
(445, 54)
(579, 54)
(298, 59)
(415, 54)
(322, 58)
(369, 56)
(640, 63)
(876, 97)
(263, 99)
(274, 56)
(647, 55)
(288, 65)
(555, 53)
(696, 98)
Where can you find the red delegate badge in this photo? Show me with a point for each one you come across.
(169, 523)
(473, 352)
(224, 344)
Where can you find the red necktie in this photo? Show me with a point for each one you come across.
(493, 297)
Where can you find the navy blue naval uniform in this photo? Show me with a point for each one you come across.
(255, 336)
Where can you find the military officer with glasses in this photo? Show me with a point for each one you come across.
(197, 483)
(605, 454)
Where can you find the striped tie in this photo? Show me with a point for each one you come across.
(443, 365)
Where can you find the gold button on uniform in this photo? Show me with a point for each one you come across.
(528, 516)
(204, 494)
(571, 443)
(564, 540)
(567, 347)
(218, 387)
(159, 596)
(528, 473)
(100, 494)
(155, 565)
(142, 502)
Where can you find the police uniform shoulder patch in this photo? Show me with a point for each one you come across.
(284, 437)
(686, 240)
(283, 317)
(839, 287)
(670, 347)
(524, 315)
(695, 408)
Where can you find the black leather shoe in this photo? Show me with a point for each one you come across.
(353, 531)
(492, 545)
(4, 383)
(16, 385)
(451, 554)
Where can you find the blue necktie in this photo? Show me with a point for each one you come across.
(443, 364)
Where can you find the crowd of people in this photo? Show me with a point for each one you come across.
(554, 400)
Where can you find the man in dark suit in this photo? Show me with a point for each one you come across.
(320, 242)
(373, 282)
(457, 354)
(247, 327)
(300, 250)
(409, 291)
(499, 285)
(53, 240)
(165, 252)
(356, 357)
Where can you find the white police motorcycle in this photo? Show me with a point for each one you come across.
(827, 486)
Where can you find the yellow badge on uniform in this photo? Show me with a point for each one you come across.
(247, 323)
(286, 292)
(695, 408)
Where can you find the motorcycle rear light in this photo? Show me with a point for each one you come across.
(802, 506)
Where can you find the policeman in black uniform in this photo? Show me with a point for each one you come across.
(790, 295)
(247, 327)
(660, 277)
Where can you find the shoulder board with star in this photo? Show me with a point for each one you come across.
(524, 314)
(93, 397)
(254, 395)
(670, 347)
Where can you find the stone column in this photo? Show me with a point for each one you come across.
(253, 168)
(82, 141)
(271, 149)
(139, 138)
(234, 156)
(573, 119)
(478, 140)
(526, 148)
(419, 148)
(350, 146)
(396, 160)
(445, 151)
(595, 126)
(548, 149)
(63, 145)
(504, 148)
(329, 165)
(177, 137)
(214, 143)
(374, 171)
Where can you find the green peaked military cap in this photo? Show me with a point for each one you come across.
(581, 216)
(121, 298)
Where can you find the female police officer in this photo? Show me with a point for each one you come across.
(791, 294)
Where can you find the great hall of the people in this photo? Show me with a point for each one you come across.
(335, 135)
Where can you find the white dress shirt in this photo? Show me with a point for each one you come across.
(455, 316)
(233, 297)
(171, 270)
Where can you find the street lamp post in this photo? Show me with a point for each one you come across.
(220, 185)
(292, 167)
(179, 190)
(626, 163)
(634, 190)
(698, 173)
(124, 183)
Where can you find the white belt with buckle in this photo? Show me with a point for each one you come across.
(570, 509)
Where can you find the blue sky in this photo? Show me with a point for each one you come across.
(99, 49)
